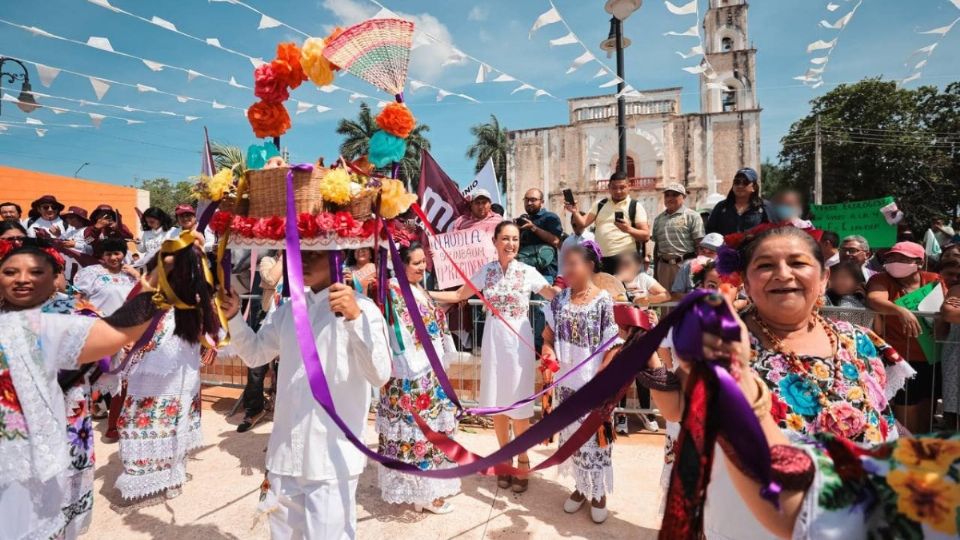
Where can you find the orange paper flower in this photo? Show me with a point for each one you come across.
(268, 119)
(287, 64)
(396, 120)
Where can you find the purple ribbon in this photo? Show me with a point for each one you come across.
(141, 342)
(207, 215)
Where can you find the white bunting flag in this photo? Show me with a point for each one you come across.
(580, 60)
(142, 88)
(322, 109)
(841, 22)
(613, 82)
(466, 97)
(216, 105)
(419, 40)
(8, 97)
(414, 86)
(214, 42)
(694, 51)
(163, 23)
(47, 74)
(626, 90)
(257, 62)
(131, 122)
(267, 22)
(57, 110)
(183, 99)
(101, 43)
(99, 87)
(820, 60)
(817, 84)
(503, 77)
(920, 65)
(601, 72)
(39, 32)
(482, 71)
(456, 57)
(913, 77)
(692, 32)
(191, 75)
(2, 128)
(926, 50)
(523, 86)
(568, 39)
(942, 31)
(441, 93)
(303, 106)
(95, 119)
(127, 108)
(233, 82)
(815, 72)
(189, 119)
(40, 132)
(32, 121)
(329, 89)
(551, 16)
(831, 7)
(168, 113)
(357, 95)
(686, 9)
(542, 92)
(696, 70)
(804, 78)
(154, 66)
(821, 44)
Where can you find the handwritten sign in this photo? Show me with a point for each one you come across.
(862, 218)
(469, 248)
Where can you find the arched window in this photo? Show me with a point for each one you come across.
(728, 100)
(631, 168)
(726, 44)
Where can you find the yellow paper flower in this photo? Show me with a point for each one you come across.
(314, 64)
(927, 453)
(335, 186)
(394, 199)
(855, 393)
(927, 498)
(795, 422)
(872, 434)
(821, 371)
(220, 184)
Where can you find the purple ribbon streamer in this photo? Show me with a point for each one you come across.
(207, 215)
(141, 342)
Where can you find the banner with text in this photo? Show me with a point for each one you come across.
(469, 248)
(862, 218)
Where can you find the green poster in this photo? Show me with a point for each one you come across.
(860, 217)
(931, 349)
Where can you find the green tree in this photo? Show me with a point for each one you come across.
(166, 194)
(877, 140)
(356, 143)
(492, 142)
(774, 179)
(226, 156)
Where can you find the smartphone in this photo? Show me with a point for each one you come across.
(568, 196)
(618, 216)
(522, 220)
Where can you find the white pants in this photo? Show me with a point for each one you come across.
(311, 509)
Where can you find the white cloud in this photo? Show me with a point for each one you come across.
(426, 63)
(478, 13)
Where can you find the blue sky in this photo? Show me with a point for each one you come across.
(877, 42)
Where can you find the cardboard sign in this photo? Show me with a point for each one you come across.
(862, 218)
(469, 248)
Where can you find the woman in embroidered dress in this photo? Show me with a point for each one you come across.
(413, 389)
(824, 376)
(361, 272)
(508, 361)
(580, 325)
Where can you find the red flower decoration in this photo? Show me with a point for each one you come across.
(325, 221)
(778, 409)
(268, 119)
(287, 64)
(343, 222)
(8, 394)
(307, 225)
(243, 225)
(846, 458)
(269, 83)
(423, 402)
(271, 228)
(369, 228)
(5, 247)
(61, 264)
(221, 222)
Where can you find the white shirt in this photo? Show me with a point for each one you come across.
(75, 234)
(832, 261)
(105, 290)
(151, 240)
(46, 225)
(643, 283)
(305, 443)
(209, 239)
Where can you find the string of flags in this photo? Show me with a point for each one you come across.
(266, 21)
(553, 16)
(813, 77)
(441, 93)
(703, 67)
(918, 59)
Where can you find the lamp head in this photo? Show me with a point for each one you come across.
(25, 101)
(621, 9)
(610, 44)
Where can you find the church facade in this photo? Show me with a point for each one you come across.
(700, 150)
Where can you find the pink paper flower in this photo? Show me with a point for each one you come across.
(269, 85)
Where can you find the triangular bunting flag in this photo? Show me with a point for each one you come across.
(694, 51)
(39, 32)
(919, 65)
(613, 82)
(163, 23)
(414, 86)
(191, 75)
(33, 121)
(257, 62)
(942, 31)
(503, 77)
(303, 106)
(95, 119)
(233, 82)
(466, 97)
(57, 110)
(357, 95)
(329, 89)
(695, 69)
(47, 74)
(214, 42)
(601, 72)
(154, 66)
(820, 60)
(523, 86)
(216, 105)
(441, 93)
(101, 43)
(841, 22)
(131, 122)
(541, 92)
(831, 7)
(687, 9)
(99, 87)
(268, 22)
(183, 99)
(103, 4)
(128, 108)
(579, 61)
(568, 39)
(692, 32)
(189, 119)
(456, 57)
(549, 17)
(40, 132)
(144, 88)
(821, 44)
(482, 71)
(419, 40)
(913, 77)
(322, 109)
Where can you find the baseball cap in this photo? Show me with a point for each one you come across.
(712, 241)
(747, 173)
(481, 193)
(676, 187)
(908, 249)
(184, 209)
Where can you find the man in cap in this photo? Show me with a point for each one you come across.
(540, 232)
(48, 223)
(480, 215)
(187, 221)
(677, 232)
(706, 251)
(11, 211)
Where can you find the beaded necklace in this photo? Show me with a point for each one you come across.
(797, 366)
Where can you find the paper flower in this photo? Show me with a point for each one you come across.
(315, 65)
(287, 64)
(268, 119)
(335, 186)
(221, 222)
(269, 83)
(307, 225)
(272, 228)
(219, 185)
(394, 199)
(396, 120)
(928, 453)
(386, 149)
(927, 498)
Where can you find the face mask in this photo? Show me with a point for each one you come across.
(785, 212)
(900, 270)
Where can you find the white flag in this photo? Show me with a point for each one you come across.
(303, 106)
(580, 60)
(357, 95)
(267, 22)
(568, 39)
(817, 84)
(144, 88)
(821, 44)
(168, 113)
(942, 31)
(47, 74)
(601, 72)
(216, 105)
(163, 23)
(913, 77)
(503, 77)
(692, 31)
(39, 32)
(132, 122)
(456, 57)
(694, 51)
(925, 50)
(154, 66)
(329, 89)
(95, 119)
(831, 7)
(626, 90)
(233, 82)
(257, 62)
(33, 121)
(523, 86)
(541, 92)
(191, 75)
(103, 3)
(919, 65)
(482, 72)
(322, 109)
(803, 78)
(820, 60)
(189, 119)
(215, 42)
(485, 179)
(101, 43)
(549, 17)
(441, 93)
(57, 110)
(419, 40)
(183, 99)
(40, 132)
(696, 70)
(99, 87)
(686, 9)
(841, 22)
(613, 82)
(414, 86)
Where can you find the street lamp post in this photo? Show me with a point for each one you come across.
(620, 10)
(25, 101)
(75, 173)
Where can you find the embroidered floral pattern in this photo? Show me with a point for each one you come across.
(433, 317)
(509, 292)
(401, 398)
(581, 325)
(155, 418)
(13, 425)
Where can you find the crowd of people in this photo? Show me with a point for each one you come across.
(76, 295)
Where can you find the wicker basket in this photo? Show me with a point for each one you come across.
(267, 189)
(360, 207)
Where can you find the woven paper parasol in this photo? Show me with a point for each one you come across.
(377, 51)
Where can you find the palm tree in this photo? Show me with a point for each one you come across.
(356, 144)
(226, 156)
(492, 142)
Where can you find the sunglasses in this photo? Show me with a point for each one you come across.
(741, 182)
(47, 207)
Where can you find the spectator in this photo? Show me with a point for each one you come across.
(950, 356)
(187, 221)
(641, 288)
(900, 327)
(157, 227)
(105, 224)
(540, 232)
(677, 232)
(615, 237)
(48, 223)
(706, 251)
(76, 220)
(743, 209)
(497, 209)
(361, 272)
(951, 252)
(856, 248)
(10, 211)
(848, 289)
(829, 242)
(936, 238)
(788, 206)
(10, 230)
(579, 236)
(481, 214)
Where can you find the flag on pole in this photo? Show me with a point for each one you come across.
(439, 196)
(208, 168)
(485, 179)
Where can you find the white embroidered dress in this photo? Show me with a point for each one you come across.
(107, 292)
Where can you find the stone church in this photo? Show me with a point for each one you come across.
(701, 150)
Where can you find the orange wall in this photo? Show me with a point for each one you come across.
(23, 187)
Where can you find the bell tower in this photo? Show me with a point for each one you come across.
(729, 85)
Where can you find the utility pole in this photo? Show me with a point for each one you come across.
(817, 168)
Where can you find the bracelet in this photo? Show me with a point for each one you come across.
(762, 403)
(660, 379)
(790, 467)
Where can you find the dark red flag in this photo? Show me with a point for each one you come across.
(439, 196)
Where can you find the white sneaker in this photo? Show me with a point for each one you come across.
(649, 424)
(571, 505)
(598, 515)
(622, 426)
